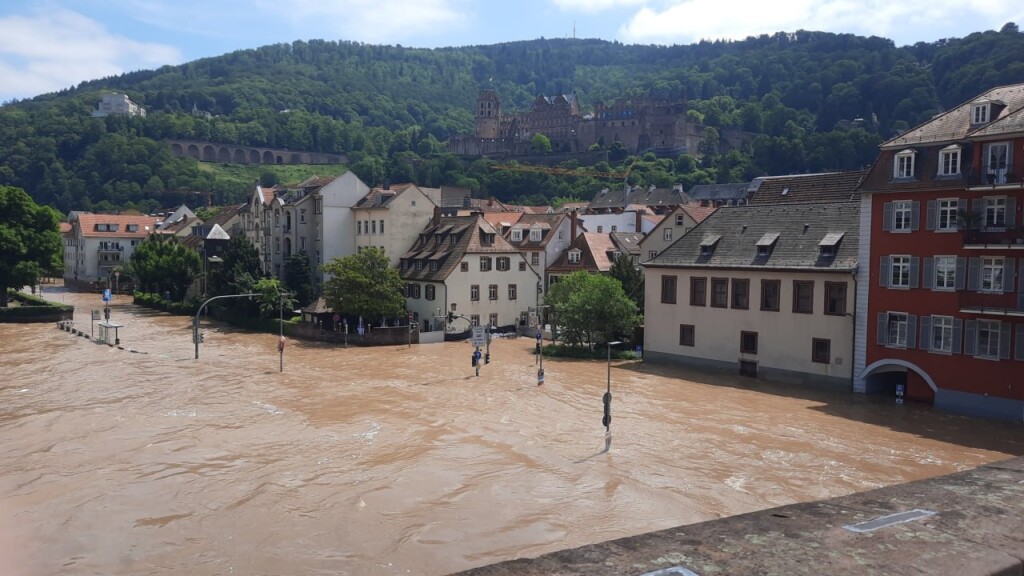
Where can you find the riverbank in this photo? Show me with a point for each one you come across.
(969, 523)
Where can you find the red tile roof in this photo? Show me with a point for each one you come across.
(89, 224)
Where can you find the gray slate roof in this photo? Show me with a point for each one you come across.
(800, 227)
(722, 192)
(667, 198)
(956, 123)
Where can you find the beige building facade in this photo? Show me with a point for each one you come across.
(391, 219)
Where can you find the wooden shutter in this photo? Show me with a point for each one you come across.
(1009, 274)
(978, 208)
(883, 317)
(1020, 342)
(971, 339)
(933, 215)
(884, 272)
(915, 215)
(926, 337)
(915, 271)
(961, 273)
(1011, 211)
(1004, 340)
(1020, 287)
(887, 217)
(911, 331)
(929, 273)
(958, 335)
(974, 274)
(961, 206)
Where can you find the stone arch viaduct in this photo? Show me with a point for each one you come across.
(236, 154)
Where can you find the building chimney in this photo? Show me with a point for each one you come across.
(639, 221)
(490, 201)
(437, 216)
(572, 225)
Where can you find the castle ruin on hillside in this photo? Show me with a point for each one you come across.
(641, 125)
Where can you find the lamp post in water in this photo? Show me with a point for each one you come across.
(607, 419)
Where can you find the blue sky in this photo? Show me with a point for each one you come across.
(48, 45)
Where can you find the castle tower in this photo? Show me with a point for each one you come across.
(488, 114)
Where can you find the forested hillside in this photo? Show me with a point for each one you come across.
(390, 109)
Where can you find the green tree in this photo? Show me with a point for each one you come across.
(540, 143)
(364, 285)
(273, 298)
(632, 279)
(591, 308)
(236, 274)
(162, 264)
(298, 278)
(29, 240)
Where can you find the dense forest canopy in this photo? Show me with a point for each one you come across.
(390, 109)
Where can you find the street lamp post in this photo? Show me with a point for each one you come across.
(280, 328)
(195, 324)
(607, 420)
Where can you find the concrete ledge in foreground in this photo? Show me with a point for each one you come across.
(977, 529)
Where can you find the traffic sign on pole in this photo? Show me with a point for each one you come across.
(106, 295)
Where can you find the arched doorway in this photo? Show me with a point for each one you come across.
(884, 376)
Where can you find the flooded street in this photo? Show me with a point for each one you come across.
(399, 461)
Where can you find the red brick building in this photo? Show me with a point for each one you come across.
(940, 296)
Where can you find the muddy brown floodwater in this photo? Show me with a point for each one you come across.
(399, 461)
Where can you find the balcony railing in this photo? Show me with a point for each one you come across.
(995, 178)
(993, 304)
(995, 239)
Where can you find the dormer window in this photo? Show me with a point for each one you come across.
(438, 238)
(903, 166)
(517, 235)
(829, 244)
(574, 256)
(535, 235)
(707, 244)
(949, 161)
(766, 243)
(980, 113)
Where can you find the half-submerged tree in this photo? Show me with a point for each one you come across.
(591, 309)
(164, 265)
(29, 240)
(363, 284)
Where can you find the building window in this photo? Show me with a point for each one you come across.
(948, 219)
(740, 294)
(522, 266)
(667, 235)
(903, 166)
(485, 263)
(995, 212)
(686, 334)
(668, 289)
(748, 342)
(535, 258)
(517, 235)
(416, 291)
(512, 292)
(698, 291)
(373, 226)
(901, 215)
(430, 292)
(949, 161)
(302, 216)
(992, 274)
(464, 266)
(899, 271)
(770, 295)
(941, 334)
(835, 298)
(803, 296)
(381, 226)
(535, 235)
(574, 257)
(493, 319)
(492, 292)
(503, 263)
(474, 319)
(652, 254)
(433, 265)
(719, 292)
(945, 272)
(680, 220)
(979, 113)
(988, 339)
(821, 350)
(896, 330)
(997, 161)
(474, 292)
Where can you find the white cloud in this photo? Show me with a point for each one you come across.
(594, 5)
(906, 21)
(54, 49)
